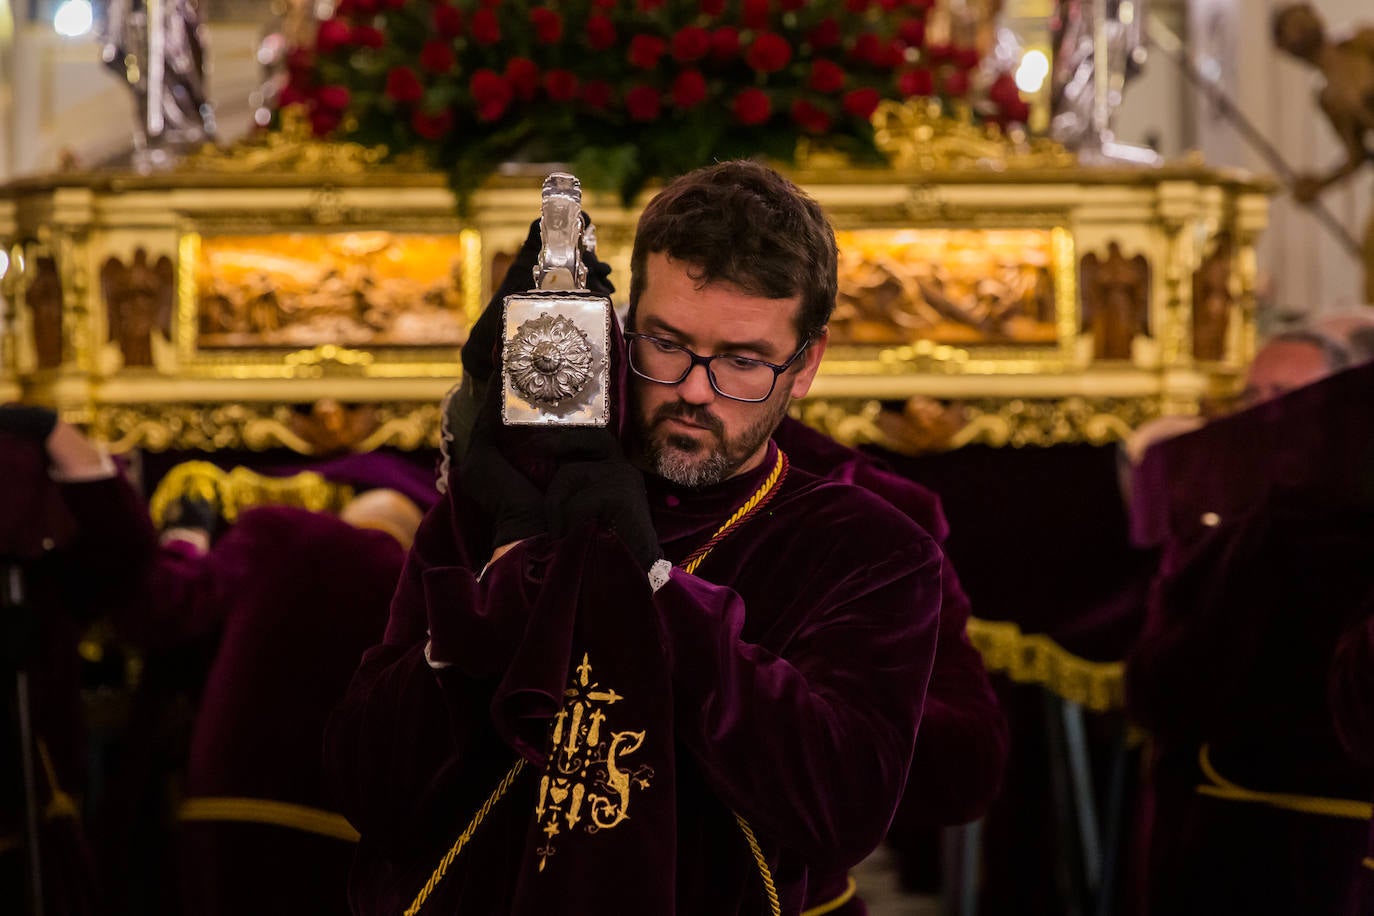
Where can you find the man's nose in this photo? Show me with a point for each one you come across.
(696, 387)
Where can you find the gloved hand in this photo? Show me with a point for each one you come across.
(194, 513)
(608, 494)
(514, 503)
(27, 421)
(480, 352)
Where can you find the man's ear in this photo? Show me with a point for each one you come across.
(811, 361)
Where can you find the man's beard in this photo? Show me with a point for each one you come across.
(700, 461)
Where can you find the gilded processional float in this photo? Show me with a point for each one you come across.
(308, 289)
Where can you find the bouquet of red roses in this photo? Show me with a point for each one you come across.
(621, 90)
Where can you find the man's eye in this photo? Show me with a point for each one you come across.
(742, 363)
(663, 346)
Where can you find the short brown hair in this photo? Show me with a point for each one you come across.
(742, 223)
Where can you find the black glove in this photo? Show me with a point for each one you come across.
(607, 494)
(26, 421)
(513, 502)
(480, 352)
(193, 512)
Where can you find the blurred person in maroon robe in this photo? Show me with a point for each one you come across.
(291, 598)
(560, 720)
(961, 753)
(1267, 520)
(80, 537)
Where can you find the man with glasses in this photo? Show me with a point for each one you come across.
(653, 669)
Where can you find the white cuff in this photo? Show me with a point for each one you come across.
(659, 574)
(437, 666)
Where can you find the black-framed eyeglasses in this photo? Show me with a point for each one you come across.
(739, 378)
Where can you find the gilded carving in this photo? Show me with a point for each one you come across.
(138, 301)
(1116, 301)
(1212, 300)
(159, 427)
(924, 424)
(44, 298)
(589, 781)
(292, 149)
(915, 135)
(330, 427)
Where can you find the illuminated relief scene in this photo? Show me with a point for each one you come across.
(348, 288)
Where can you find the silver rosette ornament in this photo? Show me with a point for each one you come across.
(549, 360)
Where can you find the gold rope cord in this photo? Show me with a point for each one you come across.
(1219, 787)
(691, 563)
(268, 811)
(851, 888)
(239, 489)
(1368, 863)
(764, 871)
(458, 844)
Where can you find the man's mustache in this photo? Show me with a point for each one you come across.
(691, 413)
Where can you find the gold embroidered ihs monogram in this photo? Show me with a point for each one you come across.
(587, 784)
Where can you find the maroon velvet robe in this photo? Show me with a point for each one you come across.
(962, 751)
(783, 682)
(1261, 577)
(294, 598)
(83, 548)
(1352, 707)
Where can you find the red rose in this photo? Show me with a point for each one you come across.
(649, 6)
(299, 61)
(604, 4)
(769, 53)
(431, 127)
(825, 34)
(691, 43)
(291, 94)
(940, 54)
(491, 93)
(752, 107)
(323, 121)
(485, 29)
(889, 5)
(868, 48)
(724, 43)
(856, 6)
(560, 85)
(642, 103)
(754, 14)
(548, 25)
(791, 6)
(332, 35)
(645, 51)
(861, 103)
(913, 32)
(826, 76)
(448, 21)
(920, 4)
(393, 4)
(918, 81)
(713, 7)
(523, 76)
(967, 58)
(333, 97)
(597, 94)
(345, 8)
(365, 36)
(892, 55)
(402, 85)
(1003, 91)
(955, 83)
(810, 118)
(437, 56)
(689, 89)
(1017, 111)
(364, 7)
(600, 33)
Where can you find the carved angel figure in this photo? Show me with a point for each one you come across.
(1115, 301)
(138, 301)
(44, 299)
(1212, 301)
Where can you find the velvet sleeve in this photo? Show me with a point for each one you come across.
(114, 546)
(1351, 688)
(812, 745)
(400, 745)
